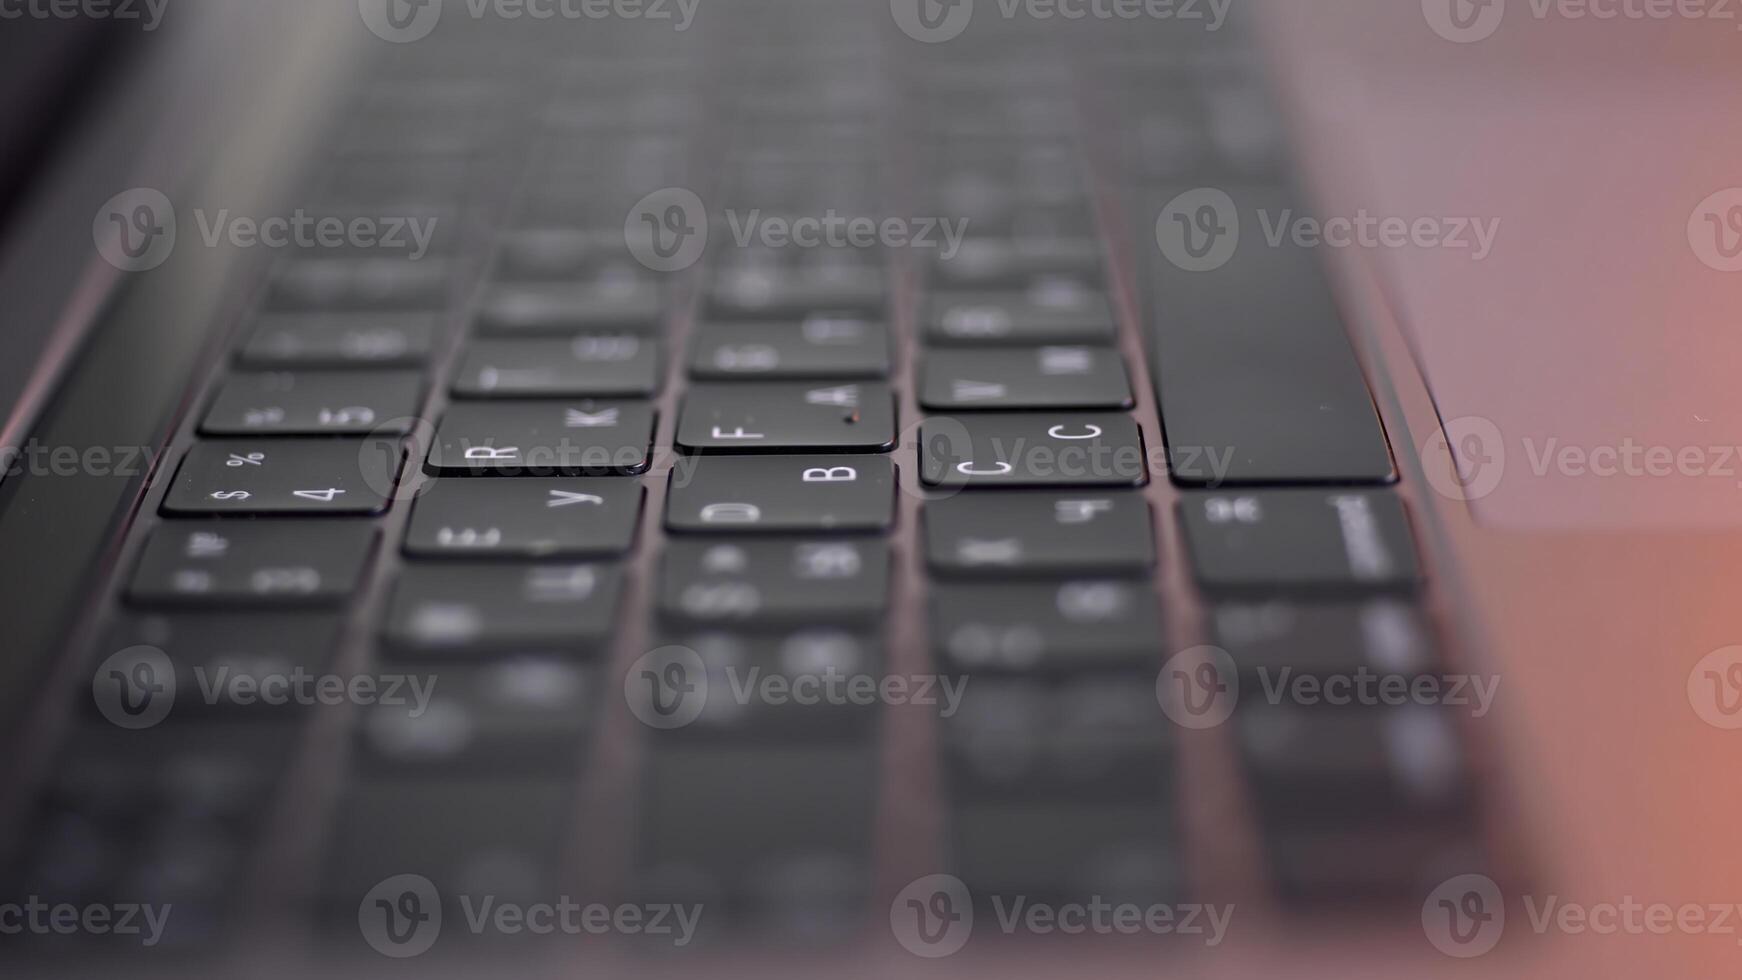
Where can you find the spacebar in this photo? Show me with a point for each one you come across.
(1257, 381)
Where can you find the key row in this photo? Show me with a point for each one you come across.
(1016, 640)
(1023, 737)
(531, 439)
(1283, 542)
(358, 402)
(976, 634)
(821, 345)
(373, 310)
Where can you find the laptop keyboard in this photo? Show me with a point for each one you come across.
(514, 466)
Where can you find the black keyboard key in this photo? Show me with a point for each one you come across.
(194, 871)
(986, 262)
(253, 562)
(1358, 765)
(550, 518)
(490, 609)
(804, 581)
(247, 665)
(1319, 867)
(1023, 378)
(782, 494)
(265, 476)
(543, 438)
(1276, 640)
(74, 858)
(169, 872)
(1021, 533)
(1337, 540)
(585, 366)
(841, 347)
(364, 179)
(1033, 450)
(522, 716)
(787, 417)
(1054, 310)
(1062, 851)
(1055, 628)
(219, 773)
(389, 137)
(1094, 736)
(479, 836)
(1253, 368)
(1014, 186)
(646, 112)
(758, 292)
(413, 232)
(774, 840)
(361, 285)
(795, 686)
(618, 302)
(160, 816)
(557, 254)
(289, 340)
(300, 403)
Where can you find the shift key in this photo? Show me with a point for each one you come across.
(227, 563)
(1300, 540)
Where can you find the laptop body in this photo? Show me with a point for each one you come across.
(1356, 854)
